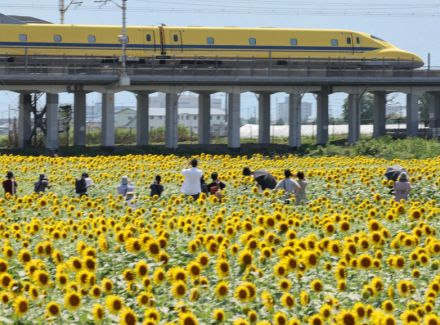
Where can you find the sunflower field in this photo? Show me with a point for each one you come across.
(349, 255)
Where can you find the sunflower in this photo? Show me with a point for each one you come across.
(158, 276)
(188, 318)
(316, 285)
(221, 290)
(153, 314)
(106, 285)
(222, 268)
(72, 301)
(316, 320)
(53, 309)
(409, 316)
(127, 317)
(141, 269)
(240, 321)
(41, 278)
(242, 293)
(178, 289)
(252, 315)
(287, 300)
(245, 258)
(365, 261)
(21, 306)
(98, 312)
(194, 269)
(218, 315)
(114, 304)
(346, 317)
(3, 265)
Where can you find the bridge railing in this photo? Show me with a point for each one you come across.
(203, 66)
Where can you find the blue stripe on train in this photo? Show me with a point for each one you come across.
(80, 46)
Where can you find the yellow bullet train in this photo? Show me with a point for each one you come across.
(312, 47)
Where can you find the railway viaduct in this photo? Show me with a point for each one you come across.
(172, 78)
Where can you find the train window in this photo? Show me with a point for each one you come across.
(175, 38)
(210, 40)
(334, 42)
(358, 40)
(252, 41)
(348, 40)
(22, 37)
(293, 42)
(377, 38)
(57, 38)
(148, 37)
(91, 39)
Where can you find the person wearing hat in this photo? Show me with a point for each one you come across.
(9, 184)
(402, 188)
(42, 184)
(125, 187)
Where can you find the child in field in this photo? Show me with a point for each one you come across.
(10, 185)
(156, 188)
(402, 188)
(300, 194)
(289, 185)
(216, 186)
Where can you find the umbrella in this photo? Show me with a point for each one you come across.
(259, 173)
(393, 172)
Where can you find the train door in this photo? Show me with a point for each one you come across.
(150, 42)
(175, 41)
(349, 41)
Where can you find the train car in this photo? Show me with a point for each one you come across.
(342, 48)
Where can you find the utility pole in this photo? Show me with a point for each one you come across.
(124, 79)
(64, 9)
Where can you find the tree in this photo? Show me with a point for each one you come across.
(366, 105)
(65, 117)
(424, 107)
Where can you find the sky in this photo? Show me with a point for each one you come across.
(409, 24)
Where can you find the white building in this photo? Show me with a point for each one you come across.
(282, 111)
(187, 117)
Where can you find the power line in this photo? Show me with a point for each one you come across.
(265, 7)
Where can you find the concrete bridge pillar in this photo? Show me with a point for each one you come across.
(204, 127)
(412, 114)
(171, 120)
(295, 120)
(379, 114)
(234, 120)
(108, 119)
(322, 118)
(354, 118)
(264, 118)
(142, 118)
(79, 118)
(52, 141)
(434, 110)
(24, 120)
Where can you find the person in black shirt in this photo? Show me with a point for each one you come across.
(216, 186)
(10, 185)
(263, 178)
(156, 188)
(42, 184)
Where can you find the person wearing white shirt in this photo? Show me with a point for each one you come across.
(289, 185)
(192, 184)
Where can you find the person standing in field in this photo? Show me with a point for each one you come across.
(192, 183)
(156, 188)
(42, 184)
(300, 194)
(402, 188)
(10, 185)
(83, 184)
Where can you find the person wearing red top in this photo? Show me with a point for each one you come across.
(10, 185)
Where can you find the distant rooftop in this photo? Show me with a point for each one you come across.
(12, 19)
